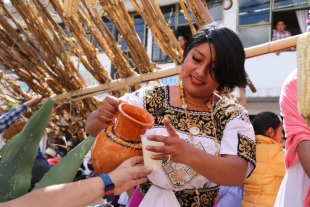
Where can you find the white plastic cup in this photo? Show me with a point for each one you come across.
(148, 161)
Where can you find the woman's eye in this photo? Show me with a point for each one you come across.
(196, 59)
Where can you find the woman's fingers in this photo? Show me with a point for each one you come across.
(158, 149)
(169, 128)
(105, 117)
(161, 157)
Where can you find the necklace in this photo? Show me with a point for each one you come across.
(193, 129)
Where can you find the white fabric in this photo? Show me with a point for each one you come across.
(2, 142)
(167, 198)
(293, 188)
(166, 180)
(123, 199)
(302, 16)
(87, 171)
(230, 143)
(43, 142)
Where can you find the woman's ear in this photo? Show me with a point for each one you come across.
(270, 132)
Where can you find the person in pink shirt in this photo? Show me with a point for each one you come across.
(295, 187)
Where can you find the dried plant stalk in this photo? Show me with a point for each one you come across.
(200, 12)
(162, 33)
(70, 7)
(187, 17)
(117, 13)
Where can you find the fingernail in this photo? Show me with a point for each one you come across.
(149, 168)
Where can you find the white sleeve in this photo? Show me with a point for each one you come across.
(135, 98)
(239, 139)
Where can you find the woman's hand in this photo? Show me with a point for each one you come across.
(103, 116)
(175, 148)
(108, 109)
(130, 173)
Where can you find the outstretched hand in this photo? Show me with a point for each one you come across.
(175, 148)
(34, 101)
(130, 173)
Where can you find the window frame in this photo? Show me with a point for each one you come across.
(271, 21)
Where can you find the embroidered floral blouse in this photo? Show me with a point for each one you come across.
(230, 128)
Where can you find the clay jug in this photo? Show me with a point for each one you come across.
(115, 144)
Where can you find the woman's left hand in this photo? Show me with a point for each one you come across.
(175, 148)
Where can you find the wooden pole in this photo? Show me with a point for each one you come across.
(270, 47)
(162, 73)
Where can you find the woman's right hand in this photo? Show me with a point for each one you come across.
(108, 109)
(103, 116)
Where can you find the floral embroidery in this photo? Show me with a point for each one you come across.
(188, 197)
(156, 102)
(178, 175)
(246, 148)
(206, 197)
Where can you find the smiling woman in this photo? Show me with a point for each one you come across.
(198, 127)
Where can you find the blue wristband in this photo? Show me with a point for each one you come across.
(109, 187)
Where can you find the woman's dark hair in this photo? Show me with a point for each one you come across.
(230, 56)
(264, 120)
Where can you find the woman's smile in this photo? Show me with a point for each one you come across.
(195, 81)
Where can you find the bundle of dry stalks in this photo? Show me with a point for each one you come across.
(42, 52)
(200, 11)
(161, 31)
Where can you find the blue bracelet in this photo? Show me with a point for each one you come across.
(109, 187)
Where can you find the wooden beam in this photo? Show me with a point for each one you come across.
(175, 70)
(270, 47)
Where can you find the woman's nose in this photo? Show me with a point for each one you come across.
(202, 70)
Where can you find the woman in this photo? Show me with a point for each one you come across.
(208, 139)
(295, 187)
(262, 187)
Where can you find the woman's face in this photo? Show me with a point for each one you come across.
(196, 75)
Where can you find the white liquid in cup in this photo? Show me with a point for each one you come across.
(148, 161)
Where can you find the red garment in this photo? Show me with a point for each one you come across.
(53, 161)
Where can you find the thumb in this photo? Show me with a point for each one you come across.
(169, 128)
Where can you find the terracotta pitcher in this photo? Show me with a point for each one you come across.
(117, 143)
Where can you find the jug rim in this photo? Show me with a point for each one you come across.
(147, 125)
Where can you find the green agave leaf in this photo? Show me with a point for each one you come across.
(18, 155)
(65, 170)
